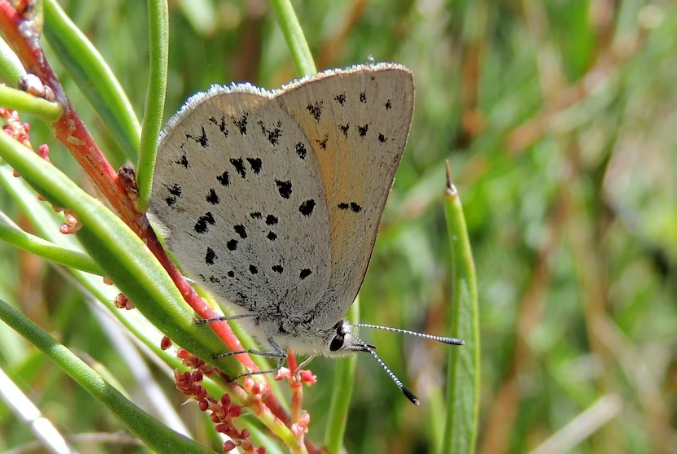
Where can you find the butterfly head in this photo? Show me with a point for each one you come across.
(341, 341)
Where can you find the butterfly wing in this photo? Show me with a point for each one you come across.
(240, 196)
(357, 122)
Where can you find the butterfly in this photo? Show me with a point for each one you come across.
(273, 200)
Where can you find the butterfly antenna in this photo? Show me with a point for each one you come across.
(390, 373)
(444, 340)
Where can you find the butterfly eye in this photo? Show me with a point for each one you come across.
(337, 343)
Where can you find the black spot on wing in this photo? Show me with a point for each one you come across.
(278, 269)
(241, 123)
(238, 164)
(272, 236)
(201, 139)
(315, 110)
(284, 187)
(323, 143)
(341, 99)
(381, 138)
(352, 206)
(212, 197)
(363, 97)
(307, 207)
(305, 273)
(301, 150)
(231, 245)
(273, 135)
(363, 130)
(231, 273)
(255, 215)
(174, 190)
(221, 125)
(253, 269)
(183, 160)
(170, 201)
(344, 129)
(203, 222)
(388, 105)
(210, 256)
(224, 179)
(271, 220)
(255, 164)
(240, 230)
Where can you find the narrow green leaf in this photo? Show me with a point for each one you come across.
(155, 434)
(50, 251)
(93, 77)
(10, 65)
(121, 255)
(12, 98)
(158, 16)
(342, 391)
(463, 379)
(296, 40)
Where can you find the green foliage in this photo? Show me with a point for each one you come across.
(557, 118)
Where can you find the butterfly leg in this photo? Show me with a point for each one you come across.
(304, 363)
(280, 354)
(201, 321)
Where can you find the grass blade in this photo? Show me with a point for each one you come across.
(463, 379)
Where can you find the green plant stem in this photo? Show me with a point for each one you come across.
(463, 378)
(50, 251)
(155, 434)
(293, 35)
(158, 16)
(342, 391)
(93, 77)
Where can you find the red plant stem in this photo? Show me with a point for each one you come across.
(296, 388)
(72, 132)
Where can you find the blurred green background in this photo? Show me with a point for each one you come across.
(558, 119)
